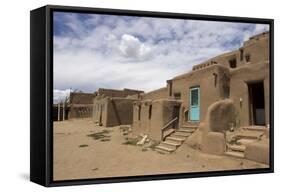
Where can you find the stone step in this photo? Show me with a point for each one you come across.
(246, 134)
(186, 130)
(165, 148)
(250, 137)
(173, 143)
(184, 134)
(175, 138)
(178, 135)
(255, 128)
(246, 141)
(189, 126)
(168, 145)
(239, 148)
(234, 154)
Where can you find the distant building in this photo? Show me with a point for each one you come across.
(113, 107)
(80, 105)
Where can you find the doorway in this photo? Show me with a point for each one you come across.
(194, 98)
(256, 103)
(176, 114)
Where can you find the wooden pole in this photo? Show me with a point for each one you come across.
(58, 112)
(63, 111)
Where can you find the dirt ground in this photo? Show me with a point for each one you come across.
(83, 150)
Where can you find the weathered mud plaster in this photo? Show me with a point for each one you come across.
(220, 117)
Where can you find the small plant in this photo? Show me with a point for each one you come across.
(131, 141)
(144, 149)
(100, 135)
(84, 145)
(104, 140)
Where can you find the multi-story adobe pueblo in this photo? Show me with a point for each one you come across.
(221, 100)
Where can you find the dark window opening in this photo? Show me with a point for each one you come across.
(139, 116)
(150, 112)
(241, 54)
(226, 86)
(170, 88)
(232, 63)
(248, 57)
(177, 95)
(215, 79)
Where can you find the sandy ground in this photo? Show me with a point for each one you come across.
(78, 156)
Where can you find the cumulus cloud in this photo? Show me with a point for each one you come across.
(131, 47)
(92, 51)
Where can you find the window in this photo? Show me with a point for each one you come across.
(248, 58)
(215, 79)
(139, 113)
(232, 63)
(194, 97)
(150, 112)
(177, 95)
(241, 54)
(170, 88)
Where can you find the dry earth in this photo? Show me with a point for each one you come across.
(80, 156)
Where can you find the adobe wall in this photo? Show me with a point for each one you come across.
(100, 109)
(80, 111)
(156, 94)
(80, 105)
(257, 47)
(117, 93)
(213, 86)
(239, 89)
(81, 98)
(119, 112)
(161, 114)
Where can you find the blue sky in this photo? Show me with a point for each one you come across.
(92, 51)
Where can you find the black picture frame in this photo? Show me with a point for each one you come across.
(41, 83)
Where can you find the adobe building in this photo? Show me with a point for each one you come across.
(113, 107)
(237, 81)
(80, 105)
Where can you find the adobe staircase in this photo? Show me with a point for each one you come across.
(175, 139)
(245, 136)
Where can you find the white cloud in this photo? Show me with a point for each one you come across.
(131, 47)
(138, 53)
(261, 28)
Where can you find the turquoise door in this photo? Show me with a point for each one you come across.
(194, 99)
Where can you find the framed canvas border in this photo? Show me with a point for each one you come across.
(41, 94)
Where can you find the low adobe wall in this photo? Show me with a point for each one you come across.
(258, 151)
(220, 116)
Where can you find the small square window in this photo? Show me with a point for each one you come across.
(248, 58)
(177, 95)
(232, 63)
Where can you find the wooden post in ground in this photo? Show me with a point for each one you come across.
(58, 112)
(63, 111)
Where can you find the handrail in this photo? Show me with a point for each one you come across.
(166, 126)
(169, 123)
